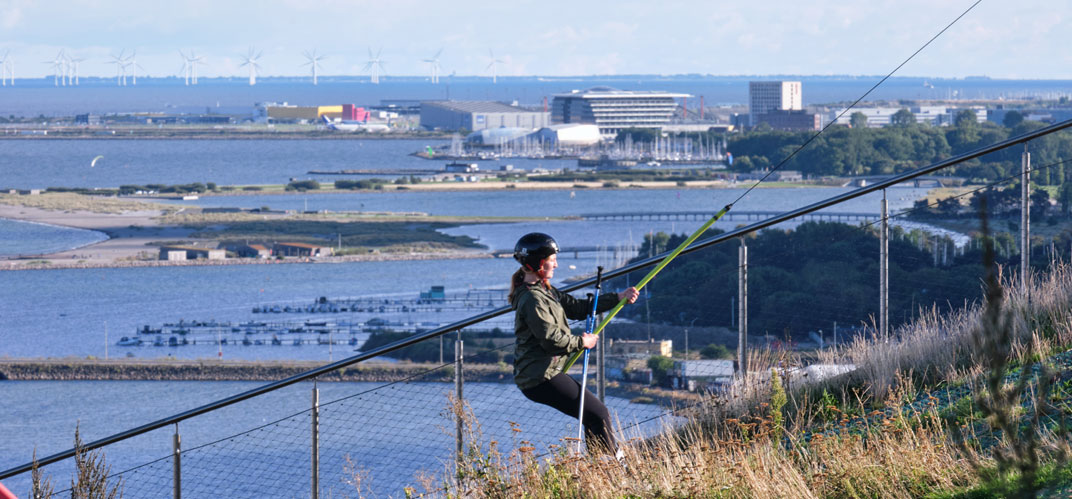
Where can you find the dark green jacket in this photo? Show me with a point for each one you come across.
(543, 337)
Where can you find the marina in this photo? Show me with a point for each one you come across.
(392, 315)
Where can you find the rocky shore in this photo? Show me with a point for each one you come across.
(73, 369)
(50, 262)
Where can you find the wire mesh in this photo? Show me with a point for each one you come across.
(814, 286)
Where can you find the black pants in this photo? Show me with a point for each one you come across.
(563, 393)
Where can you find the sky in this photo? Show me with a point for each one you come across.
(999, 39)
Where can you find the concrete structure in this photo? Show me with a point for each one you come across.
(707, 375)
(1044, 115)
(286, 113)
(174, 253)
(777, 176)
(792, 120)
(613, 110)
(698, 127)
(569, 135)
(640, 348)
(878, 117)
(478, 115)
(497, 136)
(87, 119)
(250, 250)
(300, 249)
(767, 96)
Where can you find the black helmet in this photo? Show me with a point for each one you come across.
(533, 248)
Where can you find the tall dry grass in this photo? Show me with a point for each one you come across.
(68, 201)
(910, 457)
(738, 446)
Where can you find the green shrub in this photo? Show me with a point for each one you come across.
(303, 185)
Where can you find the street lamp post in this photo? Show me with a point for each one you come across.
(687, 338)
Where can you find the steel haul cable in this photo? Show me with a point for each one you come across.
(573, 358)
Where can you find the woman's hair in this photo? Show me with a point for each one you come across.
(516, 282)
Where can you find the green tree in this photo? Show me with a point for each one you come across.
(303, 185)
(715, 351)
(660, 369)
(858, 120)
(1057, 174)
(1012, 118)
(903, 117)
(964, 135)
(654, 243)
(1065, 198)
(966, 118)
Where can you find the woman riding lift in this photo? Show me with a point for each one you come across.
(544, 341)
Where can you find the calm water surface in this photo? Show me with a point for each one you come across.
(390, 431)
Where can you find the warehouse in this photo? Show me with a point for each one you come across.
(179, 252)
(478, 115)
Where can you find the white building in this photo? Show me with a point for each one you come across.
(767, 96)
(478, 115)
(612, 110)
(570, 135)
(932, 115)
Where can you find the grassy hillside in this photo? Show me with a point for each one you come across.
(974, 403)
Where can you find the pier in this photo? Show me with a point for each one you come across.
(376, 172)
(731, 215)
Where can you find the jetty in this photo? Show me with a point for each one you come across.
(731, 215)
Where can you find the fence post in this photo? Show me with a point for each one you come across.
(742, 312)
(884, 272)
(601, 372)
(459, 350)
(1025, 220)
(315, 467)
(176, 471)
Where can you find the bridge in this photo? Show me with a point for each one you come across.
(731, 215)
(920, 181)
(629, 251)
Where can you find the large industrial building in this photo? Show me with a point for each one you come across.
(287, 113)
(769, 96)
(478, 115)
(613, 110)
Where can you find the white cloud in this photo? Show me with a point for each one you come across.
(559, 37)
(11, 14)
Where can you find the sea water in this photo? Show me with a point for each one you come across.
(21, 238)
(39, 96)
(262, 445)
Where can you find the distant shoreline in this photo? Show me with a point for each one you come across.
(128, 369)
(212, 135)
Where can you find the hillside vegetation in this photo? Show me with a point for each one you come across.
(970, 403)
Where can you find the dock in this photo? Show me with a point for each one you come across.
(731, 215)
(376, 172)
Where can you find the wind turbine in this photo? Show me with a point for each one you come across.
(68, 71)
(120, 68)
(4, 68)
(58, 64)
(73, 67)
(314, 61)
(132, 62)
(7, 64)
(185, 67)
(434, 62)
(375, 64)
(251, 61)
(493, 65)
(191, 66)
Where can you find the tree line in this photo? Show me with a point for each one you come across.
(902, 146)
(803, 280)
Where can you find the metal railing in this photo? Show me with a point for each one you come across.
(700, 245)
